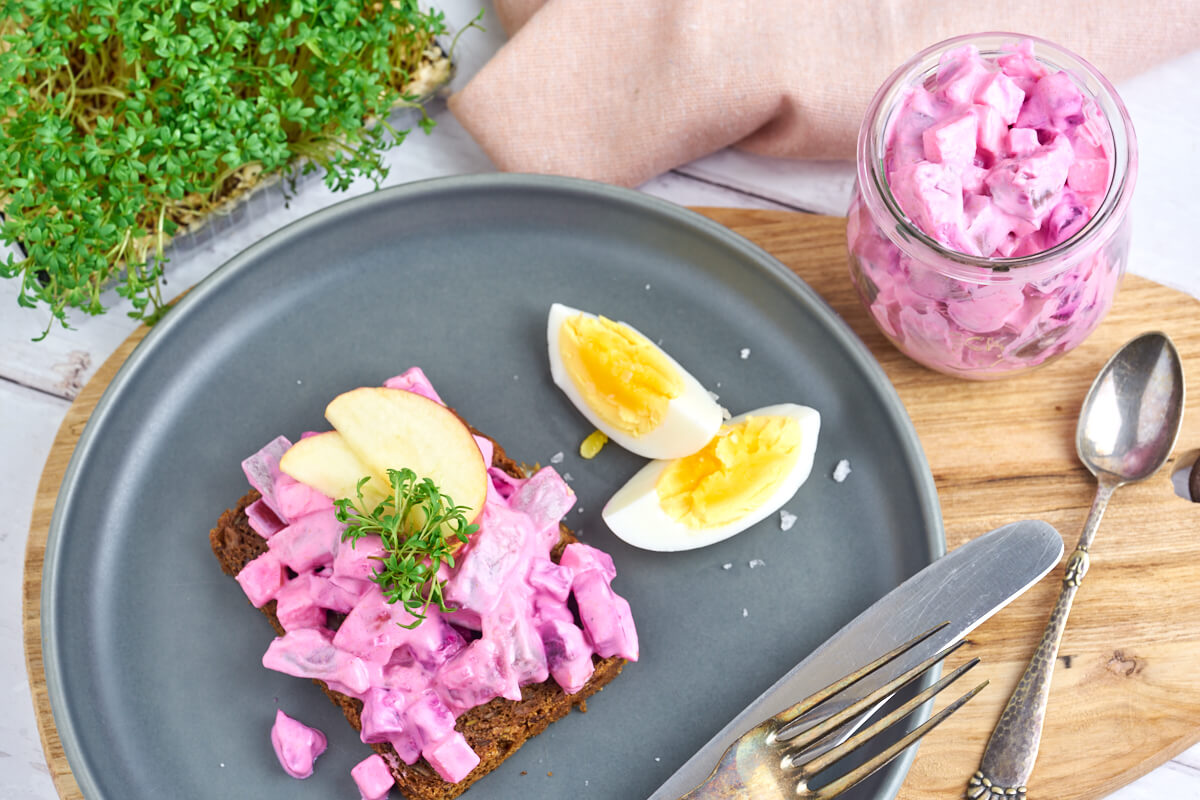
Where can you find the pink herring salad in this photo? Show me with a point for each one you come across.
(512, 624)
(994, 156)
(296, 745)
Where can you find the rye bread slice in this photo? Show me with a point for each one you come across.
(494, 730)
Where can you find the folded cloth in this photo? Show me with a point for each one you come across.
(623, 90)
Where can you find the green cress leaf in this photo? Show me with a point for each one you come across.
(420, 528)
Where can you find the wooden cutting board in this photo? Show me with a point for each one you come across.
(1126, 693)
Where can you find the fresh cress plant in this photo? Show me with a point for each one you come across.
(127, 120)
(420, 529)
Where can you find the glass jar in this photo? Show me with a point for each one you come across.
(985, 316)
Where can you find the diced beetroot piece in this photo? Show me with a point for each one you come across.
(263, 520)
(262, 578)
(579, 557)
(296, 606)
(568, 654)
(991, 135)
(453, 758)
(358, 559)
(262, 470)
(309, 542)
(382, 715)
(406, 747)
(1022, 141)
(1030, 187)
(413, 380)
(309, 653)
(428, 719)
(509, 626)
(487, 561)
(372, 629)
(296, 499)
(931, 195)
(1001, 93)
(327, 594)
(1088, 175)
(606, 617)
(372, 777)
(951, 141)
(546, 576)
(960, 72)
(474, 676)
(296, 745)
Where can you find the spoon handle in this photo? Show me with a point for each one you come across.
(1011, 752)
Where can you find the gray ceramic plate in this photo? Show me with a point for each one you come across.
(153, 655)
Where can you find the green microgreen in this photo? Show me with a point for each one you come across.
(127, 121)
(420, 528)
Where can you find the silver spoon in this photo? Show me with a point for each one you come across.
(1127, 428)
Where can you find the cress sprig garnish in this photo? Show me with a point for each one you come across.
(420, 528)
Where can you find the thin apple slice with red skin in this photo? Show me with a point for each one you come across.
(326, 463)
(394, 429)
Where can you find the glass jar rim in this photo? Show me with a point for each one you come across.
(908, 236)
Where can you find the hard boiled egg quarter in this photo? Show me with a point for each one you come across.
(627, 386)
(747, 471)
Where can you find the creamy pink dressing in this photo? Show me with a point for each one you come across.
(998, 158)
(296, 745)
(995, 157)
(511, 625)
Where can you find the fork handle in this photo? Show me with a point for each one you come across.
(1012, 750)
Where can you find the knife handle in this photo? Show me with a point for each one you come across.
(1012, 750)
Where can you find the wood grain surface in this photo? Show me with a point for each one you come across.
(1126, 691)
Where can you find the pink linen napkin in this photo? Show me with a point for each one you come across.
(623, 90)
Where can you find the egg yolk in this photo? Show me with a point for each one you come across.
(733, 475)
(622, 376)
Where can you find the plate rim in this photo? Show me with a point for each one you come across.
(415, 191)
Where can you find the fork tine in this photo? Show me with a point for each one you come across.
(812, 701)
(863, 771)
(826, 759)
(809, 736)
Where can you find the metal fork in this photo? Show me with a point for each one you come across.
(772, 761)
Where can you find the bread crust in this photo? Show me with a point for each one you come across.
(494, 730)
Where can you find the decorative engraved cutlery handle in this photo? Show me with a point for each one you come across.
(1011, 752)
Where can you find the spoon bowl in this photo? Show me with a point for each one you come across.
(1131, 416)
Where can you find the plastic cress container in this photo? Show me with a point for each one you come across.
(986, 317)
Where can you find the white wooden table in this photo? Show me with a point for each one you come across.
(39, 380)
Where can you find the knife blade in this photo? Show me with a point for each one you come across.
(963, 587)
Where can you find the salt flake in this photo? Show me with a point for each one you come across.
(745, 353)
(786, 520)
(757, 562)
(556, 458)
(727, 565)
(841, 471)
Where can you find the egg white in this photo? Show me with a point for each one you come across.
(635, 516)
(692, 418)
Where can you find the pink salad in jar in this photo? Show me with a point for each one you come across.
(989, 228)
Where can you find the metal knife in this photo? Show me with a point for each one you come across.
(963, 588)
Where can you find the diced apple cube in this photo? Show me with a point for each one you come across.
(296, 607)
(475, 675)
(991, 134)
(382, 715)
(372, 777)
(452, 757)
(1001, 93)
(951, 141)
(262, 578)
(296, 500)
(1022, 141)
(358, 559)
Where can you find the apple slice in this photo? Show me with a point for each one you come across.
(393, 429)
(326, 463)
